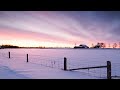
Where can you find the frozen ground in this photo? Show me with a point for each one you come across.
(48, 63)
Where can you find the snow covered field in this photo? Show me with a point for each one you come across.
(48, 63)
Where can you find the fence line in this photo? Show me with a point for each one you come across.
(69, 66)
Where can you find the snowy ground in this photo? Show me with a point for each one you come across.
(10, 69)
(48, 64)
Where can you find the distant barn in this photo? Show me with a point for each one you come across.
(81, 46)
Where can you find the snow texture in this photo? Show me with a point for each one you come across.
(48, 63)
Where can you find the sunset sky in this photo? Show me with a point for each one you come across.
(59, 28)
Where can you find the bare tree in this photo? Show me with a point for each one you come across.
(114, 45)
(109, 45)
(119, 44)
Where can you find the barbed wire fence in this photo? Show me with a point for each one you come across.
(58, 63)
(96, 72)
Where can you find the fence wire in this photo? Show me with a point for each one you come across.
(58, 63)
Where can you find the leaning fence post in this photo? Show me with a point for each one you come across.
(27, 57)
(65, 63)
(9, 54)
(108, 70)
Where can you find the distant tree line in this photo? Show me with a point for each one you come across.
(103, 45)
(9, 46)
(99, 45)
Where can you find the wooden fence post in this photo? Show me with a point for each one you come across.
(108, 70)
(9, 54)
(27, 57)
(65, 63)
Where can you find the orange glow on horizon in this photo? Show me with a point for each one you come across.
(32, 43)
